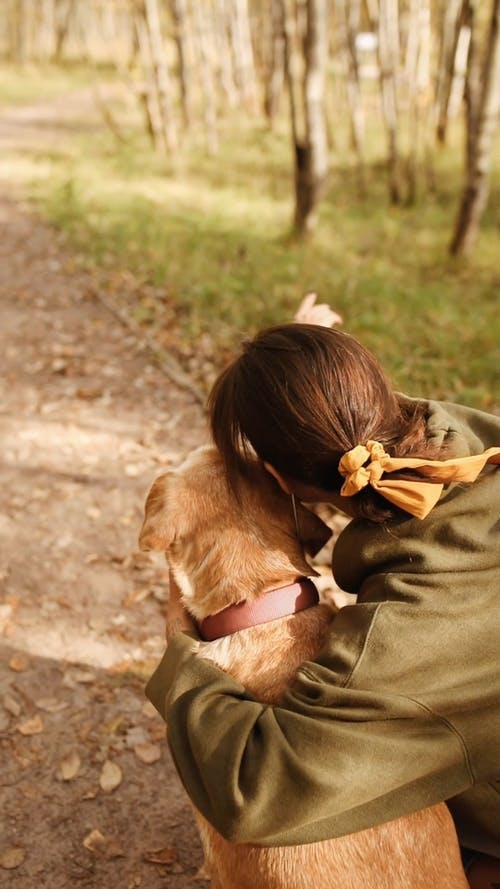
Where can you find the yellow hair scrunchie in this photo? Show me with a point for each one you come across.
(415, 496)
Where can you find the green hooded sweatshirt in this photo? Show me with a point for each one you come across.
(400, 710)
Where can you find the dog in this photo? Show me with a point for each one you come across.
(225, 549)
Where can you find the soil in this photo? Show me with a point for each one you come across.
(88, 790)
(88, 793)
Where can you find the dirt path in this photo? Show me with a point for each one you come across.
(86, 423)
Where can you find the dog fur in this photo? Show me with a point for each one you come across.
(222, 550)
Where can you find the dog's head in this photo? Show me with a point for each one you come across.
(221, 548)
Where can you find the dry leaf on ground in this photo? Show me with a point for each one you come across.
(70, 766)
(167, 855)
(31, 726)
(12, 858)
(11, 705)
(103, 846)
(111, 776)
(51, 705)
(147, 753)
(19, 663)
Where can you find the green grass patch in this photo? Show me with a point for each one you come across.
(32, 82)
(213, 232)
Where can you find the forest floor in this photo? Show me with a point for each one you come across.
(88, 417)
(88, 793)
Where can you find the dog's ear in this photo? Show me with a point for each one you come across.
(313, 531)
(158, 530)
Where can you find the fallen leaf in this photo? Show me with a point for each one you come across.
(5, 615)
(147, 753)
(89, 392)
(12, 858)
(148, 710)
(85, 677)
(111, 776)
(157, 730)
(19, 663)
(167, 855)
(31, 726)
(12, 705)
(70, 766)
(111, 727)
(51, 705)
(136, 735)
(103, 847)
(94, 840)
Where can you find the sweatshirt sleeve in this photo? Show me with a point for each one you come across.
(328, 761)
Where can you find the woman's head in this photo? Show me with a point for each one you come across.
(300, 396)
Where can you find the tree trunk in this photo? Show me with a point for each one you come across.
(472, 80)
(64, 12)
(243, 60)
(476, 189)
(451, 29)
(180, 21)
(19, 45)
(202, 32)
(348, 21)
(461, 71)
(225, 71)
(418, 70)
(161, 75)
(308, 122)
(275, 69)
(388, 51)
(146, 90)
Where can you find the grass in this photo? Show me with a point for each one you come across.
(213, 234)
(32, 82)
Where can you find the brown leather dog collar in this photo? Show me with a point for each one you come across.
(271, 606)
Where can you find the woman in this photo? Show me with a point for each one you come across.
(402, 708)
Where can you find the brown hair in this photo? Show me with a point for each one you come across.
(300, 396)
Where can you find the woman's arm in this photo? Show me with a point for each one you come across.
(329, 761)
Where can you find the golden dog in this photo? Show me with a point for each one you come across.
(223, 550)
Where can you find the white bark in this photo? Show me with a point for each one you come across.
(307, 104)
(161, 75)
(388, 51)
(476, 190)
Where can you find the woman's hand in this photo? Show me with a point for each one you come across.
(177, 617)
(322, 314)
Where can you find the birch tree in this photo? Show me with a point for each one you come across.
(418, 75)
(161, 75)
(243, 58)
(388, 53)
(480, 143)
(205, 48)
(179, 14)
(348, 22)
(305, 69)
(450, 51)
(274, 61)
(146, 89)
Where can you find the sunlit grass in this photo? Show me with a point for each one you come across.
(214, 233)
(34, 82)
